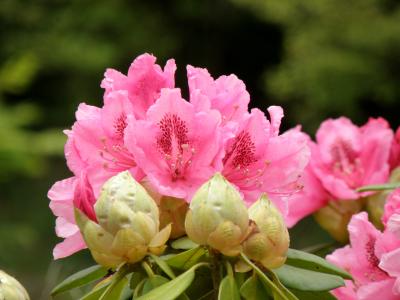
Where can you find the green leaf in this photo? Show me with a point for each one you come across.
(136, 278)
(118, 283)
(302, 295)
(279, 292)
(201, 286)
(138, 289)
(153, 282)
(228, 289)
(289, 295)
(184, 243)
(172, 289)
(163, 266)
(156, 281)
(312, 262)
(379, 187)
(114, 291)
(96, 292)
(253, 289)
(187, 259)
(80, 278)
(307, 280)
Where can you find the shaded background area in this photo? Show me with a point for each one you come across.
(317, 59)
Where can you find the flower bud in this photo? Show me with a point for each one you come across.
(128, 223)
(172, 210)
(11, 289)
(336, 215)
(269, 241)
(217, 216)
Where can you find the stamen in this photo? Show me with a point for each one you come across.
(174, 144)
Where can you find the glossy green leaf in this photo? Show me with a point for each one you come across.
(278, 292)
(379, 187)
(136, 278)
(172, 289)
(312, 262)
(187, 259)
(96, 292)
(163, 266)
(115, 289)
(153, 282)
(118, 282)
(288, 294)
(138, 289)
(184, 243)
(253, 289)
(307, 280)
(80, 278)
(201, 285)
(302, 295)
(228, 289)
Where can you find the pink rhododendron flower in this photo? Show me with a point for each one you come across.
(365, 259)
(392, 205)
(347, 157)
(175, 145)
(96, 141)
(311, 198)
(259, 160)
(143, 83)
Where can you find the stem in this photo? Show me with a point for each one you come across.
(147, 269)
(379, 187)
(215, 272)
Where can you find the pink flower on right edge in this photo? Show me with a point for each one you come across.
(346, 157)
(372, 258)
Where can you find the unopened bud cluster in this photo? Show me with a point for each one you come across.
(128, 223)
(218, 218)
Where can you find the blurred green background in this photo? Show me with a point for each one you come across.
(317, 58)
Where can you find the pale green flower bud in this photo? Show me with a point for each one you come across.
(128, 223)
(269, 241)
(172, 210)
(217, 216)
(336, 215)
(11, 289)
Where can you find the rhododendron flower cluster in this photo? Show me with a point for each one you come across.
(373, 257)
(146, 127)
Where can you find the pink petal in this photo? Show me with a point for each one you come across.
(276, 115)
(393, 225)
(377, 140)
(390, 262)
(345, 293)
(310, 199)
(392, 205)
(227, 94)
(69, 246)
(377, 290)
(64, 228)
